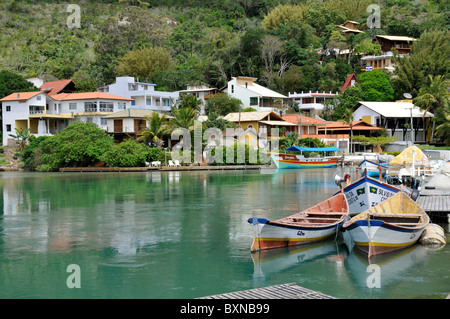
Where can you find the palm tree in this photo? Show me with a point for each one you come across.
(184, 118)
(22, 137)
(435, 95)
(347, 118)
(156, 130)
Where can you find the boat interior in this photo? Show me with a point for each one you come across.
(407, 220)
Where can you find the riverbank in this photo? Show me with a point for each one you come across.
(163, 168)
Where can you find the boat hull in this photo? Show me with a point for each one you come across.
(367, 192)
(286, 161)
(311, 225)
(375, 237)
(271, 236)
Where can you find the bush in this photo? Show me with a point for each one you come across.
(251, 157)
(31, 156)
(157, 154)
(79, 144)
(126, 154)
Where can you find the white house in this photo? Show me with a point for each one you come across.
(45, 115)
(254, 95)
(395, 117)
(201, 92)
(144, 94)
(311, 103)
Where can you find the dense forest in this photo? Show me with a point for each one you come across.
(286, 44)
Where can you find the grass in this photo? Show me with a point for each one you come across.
(431, 147)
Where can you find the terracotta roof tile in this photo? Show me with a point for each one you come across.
(295, 118)
(54, 87)
(20, 96)
(88, 96)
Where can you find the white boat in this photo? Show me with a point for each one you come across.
(313, 224)
(372, 169)
(394, 224)
(366, 192)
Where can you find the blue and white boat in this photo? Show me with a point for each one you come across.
(372, 169)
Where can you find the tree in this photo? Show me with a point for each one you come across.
(184, 118)
(430, 56)
(79, 144)
(282, 14)
(22, 137)
(156, 130)
(126, 154)
(143, 63)
(12, 82)
(222, 104)
(348, 119)
(376, 86)
(188, 101)
(377, 141)
(435, 95)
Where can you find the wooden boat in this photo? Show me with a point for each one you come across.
(367, 192)
(371, 169)
(299, 161)
(311, 225)
(394, 224)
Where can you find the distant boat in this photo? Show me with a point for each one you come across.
(372, 169)
(394, 224)
(367, 192)
(313, 224)
(299, 161)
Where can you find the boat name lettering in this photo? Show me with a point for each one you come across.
(385, 193)
(300, 233)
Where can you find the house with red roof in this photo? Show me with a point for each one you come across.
(310, 127)
(349, 82)
(50, 110)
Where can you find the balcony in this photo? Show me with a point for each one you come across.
(124, 129)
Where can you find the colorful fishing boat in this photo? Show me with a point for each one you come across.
(372, 169)
(300, 161)
(394, 224)
(313, 224)
(367, 192)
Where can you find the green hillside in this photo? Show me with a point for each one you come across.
(205, 41)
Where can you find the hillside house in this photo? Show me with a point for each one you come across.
(45, 115)
(256, 96)
(143, 95)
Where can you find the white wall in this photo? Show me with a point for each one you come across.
(365, 111)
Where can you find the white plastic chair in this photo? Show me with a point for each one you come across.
(171, 164)
(177, 163)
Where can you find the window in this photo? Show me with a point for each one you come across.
(307, 100)
(8, 108)
(232, 89)
(8, 127)
(122, 105)
(103, 122)
(253, 101)
(89, 119)
(106, 107)
(72, 106)
(90, 106)
(38, 97)
(149, 101)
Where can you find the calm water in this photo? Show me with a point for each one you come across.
(183, 235)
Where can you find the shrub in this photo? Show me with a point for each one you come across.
(126, 154)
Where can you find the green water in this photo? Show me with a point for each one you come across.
(182, 235)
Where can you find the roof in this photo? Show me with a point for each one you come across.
(54, 87)
(396, 38)
(20, 96)
(348, 81)
(296, 118)
(258, 89)
(249, 116)
(88, 96)
(135, 113)
(394, 109)
(356, 126)
(312, 149)
(280, 123)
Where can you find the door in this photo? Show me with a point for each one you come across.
(118, 126)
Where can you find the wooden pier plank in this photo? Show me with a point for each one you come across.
(283, 291)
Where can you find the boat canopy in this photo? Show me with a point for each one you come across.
(313, 149)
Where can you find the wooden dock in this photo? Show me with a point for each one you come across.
(284, 291)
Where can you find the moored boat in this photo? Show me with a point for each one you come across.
(300, 161)
(394, 224)
(313, 224)
(367, 192)
(372, 169)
